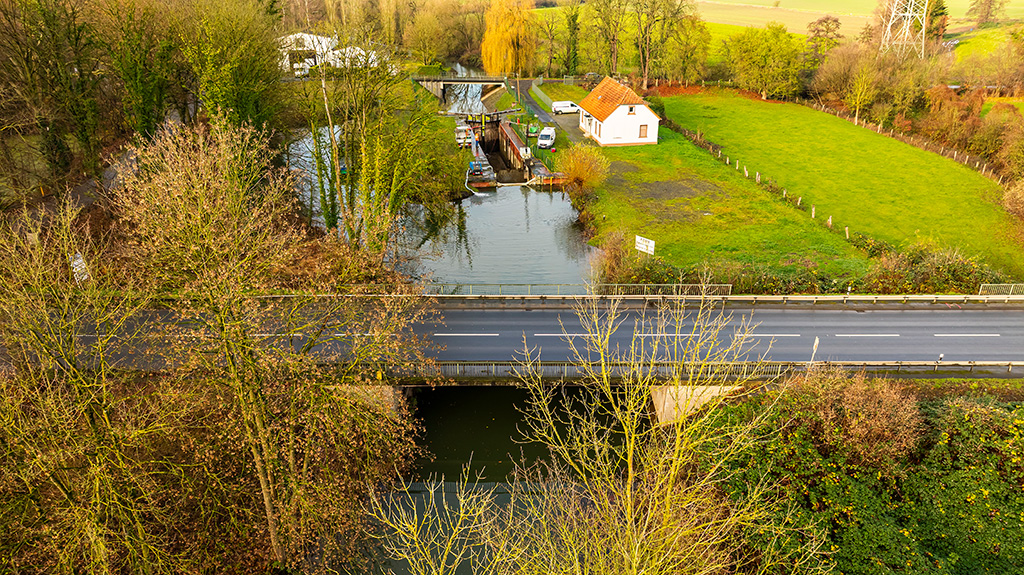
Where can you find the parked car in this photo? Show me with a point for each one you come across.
(546, 138)
(564, 107)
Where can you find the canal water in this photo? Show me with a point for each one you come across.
(511, 235)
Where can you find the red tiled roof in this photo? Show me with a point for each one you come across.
(607, 97)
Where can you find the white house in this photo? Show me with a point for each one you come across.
(302, 51)
(614, 115)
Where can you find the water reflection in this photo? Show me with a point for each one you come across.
(513, 235)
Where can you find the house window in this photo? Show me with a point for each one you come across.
(643, 131)
(599, 130)
(632, 109)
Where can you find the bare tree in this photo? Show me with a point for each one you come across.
(312, 439)
(986, 11)
(623, 493)
(82, 486)
(609, 19)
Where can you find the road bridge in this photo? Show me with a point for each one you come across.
(436, 84)
(483, 336)
(482, 340)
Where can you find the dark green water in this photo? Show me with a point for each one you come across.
(472, 422)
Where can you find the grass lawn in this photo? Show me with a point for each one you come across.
(956, 8)
(871, 183)
(559, 92)
(991, 101)
(982, 41)
(506, 102)
(697, 210)
(796, 21)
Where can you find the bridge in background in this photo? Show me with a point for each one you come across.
(436, 84)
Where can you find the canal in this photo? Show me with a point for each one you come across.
(510, 235)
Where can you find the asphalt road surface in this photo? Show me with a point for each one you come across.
(968, 334)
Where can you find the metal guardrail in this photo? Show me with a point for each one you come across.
(1013, 293)
(453, 78)
(446, 289)
(768, 370)
(565, 370)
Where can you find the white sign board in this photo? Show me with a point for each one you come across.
(78, 267)
(644, 245)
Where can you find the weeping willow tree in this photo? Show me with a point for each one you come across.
(509, 44)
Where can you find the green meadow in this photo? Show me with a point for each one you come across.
(873, 184)
(697, 210)
(992, 101)
(560, 92)
(796, 21)
(957, 8)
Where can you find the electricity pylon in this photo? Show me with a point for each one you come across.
(906, 28)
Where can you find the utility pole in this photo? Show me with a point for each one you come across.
(905, 29)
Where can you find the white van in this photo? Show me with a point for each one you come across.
(546, 138)
(564, 107)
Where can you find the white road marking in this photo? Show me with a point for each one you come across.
(773, 335)
(867, 335)
(561, 334)
(967, 335)
(466, 334)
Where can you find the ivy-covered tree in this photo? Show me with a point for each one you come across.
(231, 49)
(142, 59)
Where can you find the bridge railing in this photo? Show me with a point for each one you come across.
(456, 78)
(512, 289)
(1001, 289)
(761, 371)
(568, 370)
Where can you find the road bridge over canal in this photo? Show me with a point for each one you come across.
(436, 84)
(484, 329)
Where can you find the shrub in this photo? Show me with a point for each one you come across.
(891, 489)
(583, 166)
(873, 421)
(1011, 155)
(988, 139)
(1013, 199)
(657, 105)
(621, 264)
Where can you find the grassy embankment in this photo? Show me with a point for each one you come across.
(873, 184)
(990, 102)
(697, 210)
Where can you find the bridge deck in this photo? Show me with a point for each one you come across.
(460, 79)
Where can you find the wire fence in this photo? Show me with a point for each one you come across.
(976, 163)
